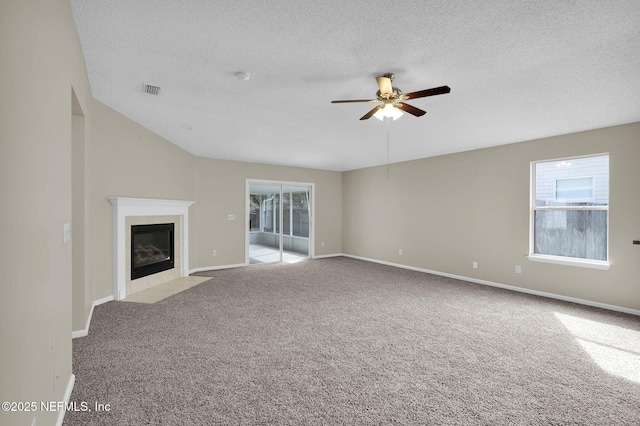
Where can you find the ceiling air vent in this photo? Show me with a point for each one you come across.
(152, 90)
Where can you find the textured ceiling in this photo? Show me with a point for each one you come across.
(518, 70)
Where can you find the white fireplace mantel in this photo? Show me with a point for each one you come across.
(125, 207)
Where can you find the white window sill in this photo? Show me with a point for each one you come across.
(570, 261)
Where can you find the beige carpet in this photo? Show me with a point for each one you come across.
(164, 290)
(345, 342)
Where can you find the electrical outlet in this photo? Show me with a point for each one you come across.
(475, 265)
(214, 253)
(400, 252)
(518, 269)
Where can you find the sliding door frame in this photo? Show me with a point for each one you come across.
(247, 213)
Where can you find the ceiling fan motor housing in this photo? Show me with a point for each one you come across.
(395, 95)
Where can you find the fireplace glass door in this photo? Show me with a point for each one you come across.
(152, 249)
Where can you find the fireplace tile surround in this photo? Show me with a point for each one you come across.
(135, 211)
(143, 283)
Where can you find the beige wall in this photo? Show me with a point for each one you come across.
(222, 190)
(446, 212)
(127, 160)
(82, 297)
(40, 62)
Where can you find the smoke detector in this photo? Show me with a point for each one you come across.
(242, 75)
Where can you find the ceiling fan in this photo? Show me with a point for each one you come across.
(392, 97)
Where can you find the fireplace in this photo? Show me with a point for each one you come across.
(128, 212)
(152, 249)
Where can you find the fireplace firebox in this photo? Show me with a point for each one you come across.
(152, 249)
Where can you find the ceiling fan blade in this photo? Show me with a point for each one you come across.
(410, 109)
(354, 100)
(424, 93)
(384, 83)
(370, 113)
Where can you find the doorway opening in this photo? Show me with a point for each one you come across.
(279, 221)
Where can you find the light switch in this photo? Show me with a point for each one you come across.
(66, 230)
(231, 217)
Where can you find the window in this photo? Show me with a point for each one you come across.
(570, 211)
(295, 213)
(254, 212)
(300, 214)
(269, 217)
(575, 190)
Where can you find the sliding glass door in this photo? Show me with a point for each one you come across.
(279, 221)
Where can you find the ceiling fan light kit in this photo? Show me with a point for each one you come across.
(388, 110)
(391, 98)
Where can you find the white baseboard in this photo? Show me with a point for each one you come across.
(67, 398)
(240, 265)
(326, 256)
(85, 331)
(504, 286)
(214, 268)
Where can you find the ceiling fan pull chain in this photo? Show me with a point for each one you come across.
(388, 131)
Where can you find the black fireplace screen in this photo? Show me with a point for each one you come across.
(151, 249)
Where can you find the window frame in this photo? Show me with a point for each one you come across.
(565, 260)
